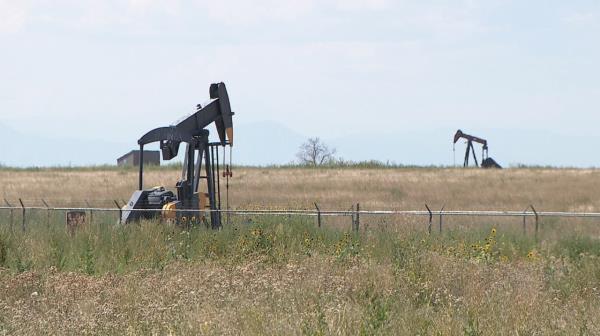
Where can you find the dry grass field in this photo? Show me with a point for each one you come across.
(511, 189)
(281, 275)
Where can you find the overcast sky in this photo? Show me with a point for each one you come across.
(329, 68)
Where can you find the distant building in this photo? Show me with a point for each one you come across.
(133, 158)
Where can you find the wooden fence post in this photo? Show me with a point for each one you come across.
(430, 219)
(22, 214)
(352, 217)
(441, 210)
(357, 223)
(120, 210)
(47, 213)
(525, 221)
(536, 222)
(318, 215)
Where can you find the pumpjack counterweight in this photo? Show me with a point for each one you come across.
(188, 203)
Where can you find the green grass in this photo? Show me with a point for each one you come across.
(104, 247)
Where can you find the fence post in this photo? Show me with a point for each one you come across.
(441, 210)
(11, 214)
(22, 214)
(120, 210)
(352, 217)
(357, 224)
(536, 221)
(91, 212)
(318, 214)
(47, 213)
(525, 221)
(430, 219)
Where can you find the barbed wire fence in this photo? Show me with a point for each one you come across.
(22, 212)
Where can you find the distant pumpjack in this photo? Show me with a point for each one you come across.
(487, 162)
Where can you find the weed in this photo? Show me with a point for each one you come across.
(22, 264)
(376, 315)
(472, 327)
(348, 246)
(58, 258)
(319, 327)
(576, 247)
(3, 251)
(88, 259)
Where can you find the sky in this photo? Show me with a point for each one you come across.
(112, 70)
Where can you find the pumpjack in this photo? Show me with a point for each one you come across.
(487, 162)
(188, 203)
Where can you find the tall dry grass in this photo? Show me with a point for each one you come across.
(403, 188)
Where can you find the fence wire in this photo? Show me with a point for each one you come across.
(310, 212)
(530, 220)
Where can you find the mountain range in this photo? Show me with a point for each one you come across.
(264, 143)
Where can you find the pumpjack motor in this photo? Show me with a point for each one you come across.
(201, 163)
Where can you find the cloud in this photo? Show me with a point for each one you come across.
(171, 7)
(13, 16)
(349, 18)
(242, 12)
(96, 14)
(236, 12)
(361, 4)
(582, 19)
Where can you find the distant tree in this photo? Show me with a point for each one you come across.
(314, 152)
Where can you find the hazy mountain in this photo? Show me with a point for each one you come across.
(255, 143)
(23, 149)
(264, 143)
